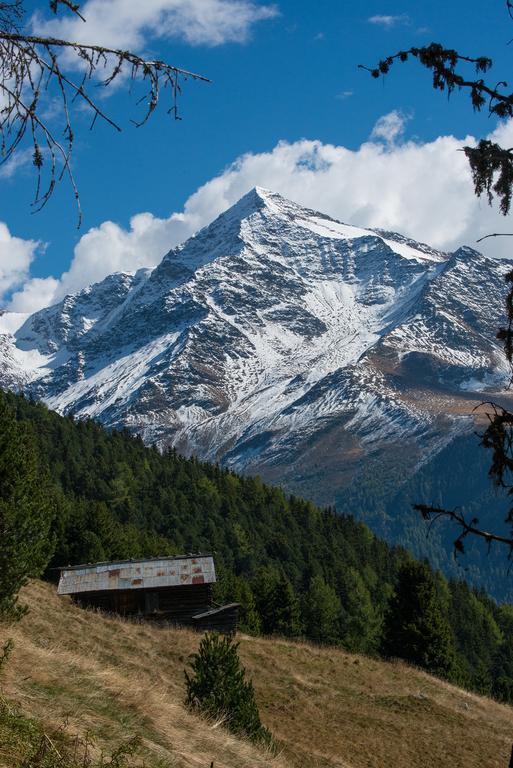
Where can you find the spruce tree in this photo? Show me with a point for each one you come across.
(477, 636)
(361, 622)
(218, 688)
(322, 611)
(415, 628)
(27, 505)
(502, 666)
(278, 604)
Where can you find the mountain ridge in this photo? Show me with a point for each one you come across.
(279, 342)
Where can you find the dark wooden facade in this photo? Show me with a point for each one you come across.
(175, 604)
(222, 619)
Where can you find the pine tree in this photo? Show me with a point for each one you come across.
(278, 604)
(26, 513)
(218, 688)
(415, 627)
(322, 611)
(361, 622)
(477, 636)
(502, 666)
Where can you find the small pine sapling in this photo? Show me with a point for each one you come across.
(218, 689)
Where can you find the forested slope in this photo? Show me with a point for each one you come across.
(297, 570)
(456, 477)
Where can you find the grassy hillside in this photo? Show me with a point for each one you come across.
(113, 679)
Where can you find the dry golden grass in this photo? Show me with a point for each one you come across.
(326, 708)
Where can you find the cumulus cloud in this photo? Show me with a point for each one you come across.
(390, 128)
(16, 256)
(127, 24)
(37, 292)
(18, 160)
(420, 189)
(110, 248)
(390, 21)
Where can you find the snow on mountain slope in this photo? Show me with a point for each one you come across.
(276, 340)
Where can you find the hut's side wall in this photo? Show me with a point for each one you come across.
(224, 619)
(180, 603)
(167, 603)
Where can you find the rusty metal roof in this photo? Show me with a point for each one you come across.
(138, 574)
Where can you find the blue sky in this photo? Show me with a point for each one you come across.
(283, 72)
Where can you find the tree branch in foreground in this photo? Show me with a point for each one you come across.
(431, 514)
(495, 234)
(497, 437)
(492, 173)
(491, 165)
(31, 71)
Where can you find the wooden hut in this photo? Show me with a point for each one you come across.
(173, 589)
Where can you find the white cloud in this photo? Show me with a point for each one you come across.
(344, 95)
(389, 128)
(37, 292)
(18, 160)
(129, 23)
(390, 21)
(420, 189)
(110, 248)
(16, 255)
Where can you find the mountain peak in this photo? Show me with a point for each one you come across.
(274, 206)
(262, 192)
(254, 200)
(224, 234)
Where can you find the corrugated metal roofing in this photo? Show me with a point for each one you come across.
(138, 574)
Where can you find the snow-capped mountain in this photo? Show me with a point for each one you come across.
(279, 341)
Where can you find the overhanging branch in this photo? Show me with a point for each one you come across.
(430, 513)
(495, 234)
(130, 58)
(30, 65)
